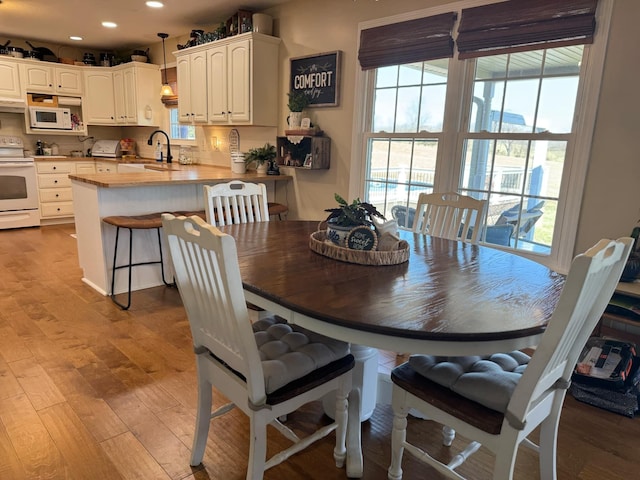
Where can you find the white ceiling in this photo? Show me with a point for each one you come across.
(53, 21)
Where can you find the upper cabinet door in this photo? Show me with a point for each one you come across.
(37, 78)
(199, 87)
(9, 80)
(217, 76)
(68, 81)
(239, 81)
(192, 76)
(99, 102)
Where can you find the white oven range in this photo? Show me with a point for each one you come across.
(18, 185)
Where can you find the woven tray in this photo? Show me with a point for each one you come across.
(391, 257)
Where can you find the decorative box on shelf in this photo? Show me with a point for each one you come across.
(239, 22)
(304, 151)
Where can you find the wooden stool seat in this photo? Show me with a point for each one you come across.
(277, 209)
(147, 221)
(138, 222)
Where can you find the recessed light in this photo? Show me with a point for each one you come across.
(75, 37)
(109, 24)
(154, 4)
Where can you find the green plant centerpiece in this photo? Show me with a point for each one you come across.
(349, 216)
(261, 156)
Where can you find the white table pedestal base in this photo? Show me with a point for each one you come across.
(365, 378)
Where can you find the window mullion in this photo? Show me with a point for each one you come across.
(456, 117)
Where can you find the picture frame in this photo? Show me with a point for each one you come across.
(308, 161)
(305, 123)
(318, 76)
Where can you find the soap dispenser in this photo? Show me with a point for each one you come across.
(158, 151)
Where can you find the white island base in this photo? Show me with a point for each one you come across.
(96, 240)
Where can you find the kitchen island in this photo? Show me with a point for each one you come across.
(157, 188)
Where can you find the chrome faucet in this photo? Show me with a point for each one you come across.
(150, 142)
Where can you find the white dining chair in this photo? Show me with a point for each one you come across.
(497, 401)
(267, 369)
(449, 215)
(236, 202)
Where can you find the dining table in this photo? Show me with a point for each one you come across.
(449, 298)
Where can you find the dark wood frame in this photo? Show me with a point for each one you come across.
(301, 64)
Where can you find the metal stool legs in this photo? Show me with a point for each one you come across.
(130, 266)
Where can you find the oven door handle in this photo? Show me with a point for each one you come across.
(16, 165)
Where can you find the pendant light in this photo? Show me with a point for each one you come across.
(166, 90)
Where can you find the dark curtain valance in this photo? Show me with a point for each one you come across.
(518, 25)
(405, 42)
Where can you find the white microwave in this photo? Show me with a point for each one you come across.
(50, 117)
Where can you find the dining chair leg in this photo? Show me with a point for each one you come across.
(398, 438)
(257, 448)
(448, 434)
(340, 451)
(203, 418)
(547, 450)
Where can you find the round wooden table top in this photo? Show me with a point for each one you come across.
(447, 291)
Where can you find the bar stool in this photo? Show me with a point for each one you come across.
(277, 209)
(149, 221)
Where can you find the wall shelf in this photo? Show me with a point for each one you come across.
(304, 152)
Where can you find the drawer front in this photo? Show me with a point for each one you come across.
(54, 181)
(60, 209)
(82, 168)
(55, 195)
(55, 167)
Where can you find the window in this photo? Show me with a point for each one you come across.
(512, 128)
(177, 131)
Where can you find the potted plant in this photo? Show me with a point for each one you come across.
(261, 157)
(347, 216)
(298, 100)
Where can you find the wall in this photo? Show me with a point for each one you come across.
(611, 202)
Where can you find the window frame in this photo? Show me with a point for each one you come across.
(461, 75)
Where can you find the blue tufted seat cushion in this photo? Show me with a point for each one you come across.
(488, 380)
(290, 352)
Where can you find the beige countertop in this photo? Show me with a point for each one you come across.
(163, 174)
(44, 158)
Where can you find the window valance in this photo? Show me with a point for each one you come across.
(416, 40)
(519, 25)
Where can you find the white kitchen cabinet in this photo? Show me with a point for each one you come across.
(106, 166)
(54, 188)
(241, 80)
(38, 77)
(99, 100)
(127, 94)
(192, 101)
(10, 79)
(85, 167)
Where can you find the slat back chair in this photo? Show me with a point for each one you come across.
(449, 215)
(498, 407)
(236, 202)
(267, 369)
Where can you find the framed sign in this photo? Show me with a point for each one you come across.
(318, 76)
(362, 238)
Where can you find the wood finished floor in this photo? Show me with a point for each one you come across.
(88, 391)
